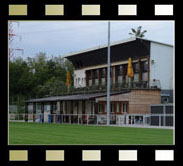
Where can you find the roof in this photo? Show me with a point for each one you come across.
(120, 51)
(113, 44)
(77, 97)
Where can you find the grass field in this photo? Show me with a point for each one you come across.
(36, 133)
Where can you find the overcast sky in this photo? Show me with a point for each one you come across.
(62, 37)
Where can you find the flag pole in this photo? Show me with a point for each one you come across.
(108, 77)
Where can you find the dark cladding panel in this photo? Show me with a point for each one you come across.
(169, 121)
(169, 109)
(156, 109)
(134, 49)
(155, 120)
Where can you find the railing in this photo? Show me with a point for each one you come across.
(152, 84)
(158, 120)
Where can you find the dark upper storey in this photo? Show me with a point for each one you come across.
(135, 49)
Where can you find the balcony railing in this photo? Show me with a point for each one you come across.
(152, 84)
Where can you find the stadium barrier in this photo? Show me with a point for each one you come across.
(157, 120)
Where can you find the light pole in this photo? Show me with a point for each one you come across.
(108, 77)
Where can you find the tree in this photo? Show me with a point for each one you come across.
(138, 32)
(38, 76)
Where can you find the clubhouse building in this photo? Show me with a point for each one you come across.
(152, 84)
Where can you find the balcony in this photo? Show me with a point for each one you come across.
(153, 84)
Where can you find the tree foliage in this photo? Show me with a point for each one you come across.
(38, 76)
(138, 32)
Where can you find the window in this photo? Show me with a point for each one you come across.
(89, 73)
(96, 73)
(120, 70)
(112, 108)
(124, 107)
(144, 66)
(103, 73)
(136, 67)
(124, 71)
(101, 108)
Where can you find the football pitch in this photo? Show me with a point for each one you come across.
(21, 133)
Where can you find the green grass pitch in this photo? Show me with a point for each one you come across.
(73, 134)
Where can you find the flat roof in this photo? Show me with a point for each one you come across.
(74, 97)
(112, 44)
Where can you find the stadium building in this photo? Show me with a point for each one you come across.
(152, 84)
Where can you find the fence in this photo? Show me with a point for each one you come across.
(162, 115)
(95, 119)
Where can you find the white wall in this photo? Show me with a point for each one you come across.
(79, 74)
(162, 69)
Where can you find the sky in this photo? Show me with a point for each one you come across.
(58, 38)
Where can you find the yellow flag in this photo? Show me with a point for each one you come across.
(68, 80)
(130, 72)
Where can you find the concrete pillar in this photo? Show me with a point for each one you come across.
(26, 112)
(61, 111)
(42, 112)
(51, 112)
(34, 112)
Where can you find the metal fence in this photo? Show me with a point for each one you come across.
(162, 114)
(96, 119)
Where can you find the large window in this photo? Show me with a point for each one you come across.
(96, 73)
(124, 71)
(96, 76)
(144, 66)
(136, 67)
(112, 108)
(103, 73)
(89, 75)
(119, 70)
(124, 108)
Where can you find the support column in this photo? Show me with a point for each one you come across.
(87, 81)
(71, 111)
(93, 79)
(51, 112)
(65, 107)
(42, 112)
(91, 107)
(99, 77)
(116, 74)
(77, 107)
(26, 112)
(96, 108)
(34, 112)
(83, 110)
(61, 111)
(83, 107)
(106, 76)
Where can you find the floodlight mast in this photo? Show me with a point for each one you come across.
(108, 77)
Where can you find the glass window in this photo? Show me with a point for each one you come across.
(103, 73)
(124, 107)
(96, 73)
(89, 74)
(119, 70)
(112, 108)
(124, 71)
(136, 67)
(144, 66)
